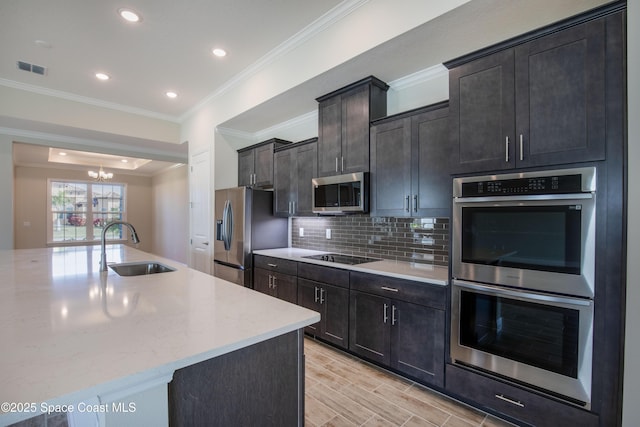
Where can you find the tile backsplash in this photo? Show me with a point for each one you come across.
(421, 240)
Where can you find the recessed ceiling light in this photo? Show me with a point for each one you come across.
(171, 94)
(43, 43)
(102, 76)
(62, 153)
(219, 52)
(129, 15)
(124, 161)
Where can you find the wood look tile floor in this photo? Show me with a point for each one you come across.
(343, 391)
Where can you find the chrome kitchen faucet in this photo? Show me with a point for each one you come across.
(103, 255)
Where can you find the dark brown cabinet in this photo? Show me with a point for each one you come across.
(276, 277)
(326, 290)
(410, 173)
(294, 167)
(344, 118)
(535, 103)
(255, 164)
(400, 324)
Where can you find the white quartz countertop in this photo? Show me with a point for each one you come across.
(433, 274)
(70, 333)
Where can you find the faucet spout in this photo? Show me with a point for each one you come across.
(103, 241)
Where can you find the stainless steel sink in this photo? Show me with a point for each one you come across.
(140, 268)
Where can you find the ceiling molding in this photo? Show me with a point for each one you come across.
(269, 132)
(419, 77)
(234, 133)
(86, 100)
(75, 143)
(319, 25)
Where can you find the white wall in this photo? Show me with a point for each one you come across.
(170, 214)
(6, 190)
(631, 401)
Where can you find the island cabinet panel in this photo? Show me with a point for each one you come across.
(260, 385)
(399, 324)
(276, 277)
(344, 118)
(294, 167)
(515, 403)
(255, 163)
(326, 290)
(410, 155)
(537, 103)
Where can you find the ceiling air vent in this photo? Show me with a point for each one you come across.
(32, 68)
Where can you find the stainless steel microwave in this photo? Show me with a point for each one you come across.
(340, 194)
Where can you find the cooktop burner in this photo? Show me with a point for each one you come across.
(342, 259)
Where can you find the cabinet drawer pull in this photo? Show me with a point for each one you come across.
(512, 401)
(521, 147)
(386, 288)
(273, 265)
(506, 150)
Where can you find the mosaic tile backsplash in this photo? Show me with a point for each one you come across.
(421, 240)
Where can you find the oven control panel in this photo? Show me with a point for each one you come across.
(560, 184)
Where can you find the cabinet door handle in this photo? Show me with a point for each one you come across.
(315, 295)
(384, 314)
(521, 147)
(274, 282)
(270, 281)
(293, 208)
(393, 314)
(342, 165)
(508, 400)
(407, 198)
(321, 295)
(506, 150)
(415, 203)
(386, 288)
(337, 164)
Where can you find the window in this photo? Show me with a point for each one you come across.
(80, 210)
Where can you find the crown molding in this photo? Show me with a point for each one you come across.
(86, 100)
(419, 77)
(319, 25)
(267, 133)
(234, 133)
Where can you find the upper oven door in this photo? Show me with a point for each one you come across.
(537, 242)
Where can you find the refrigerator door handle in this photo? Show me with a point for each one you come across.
(227, 227)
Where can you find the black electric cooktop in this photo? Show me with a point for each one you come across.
(342, 259)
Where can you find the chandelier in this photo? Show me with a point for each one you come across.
(101, 175)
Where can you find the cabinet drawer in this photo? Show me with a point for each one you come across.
(280, 265)
(319, 273)
(515, 402)
(404, 290)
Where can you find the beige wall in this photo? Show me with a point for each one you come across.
(30, 213)
(170, 214)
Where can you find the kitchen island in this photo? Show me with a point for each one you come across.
(101, 346)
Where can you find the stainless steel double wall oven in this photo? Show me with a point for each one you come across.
(523, 267)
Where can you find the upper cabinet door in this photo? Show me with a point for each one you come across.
(246, 168)
(560, 96)
(355, 131)
(264, 166)
(284, 182)
(307, 169)
(482, 113)
(329, 136)
(431, 174)
(390, 168)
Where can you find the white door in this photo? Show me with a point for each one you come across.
(199, 187)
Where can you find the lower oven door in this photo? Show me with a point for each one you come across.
(539, 340)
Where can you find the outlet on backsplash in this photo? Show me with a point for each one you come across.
(420, 240)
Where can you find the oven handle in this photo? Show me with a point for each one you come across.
(573, 196)
(494, 290)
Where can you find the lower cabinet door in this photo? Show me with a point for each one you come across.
(286, 287)
(335, 314)
(417, 341)
(262, 281)
(308, 292)
(369, 334)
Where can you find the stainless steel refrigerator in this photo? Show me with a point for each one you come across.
(244, 223)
